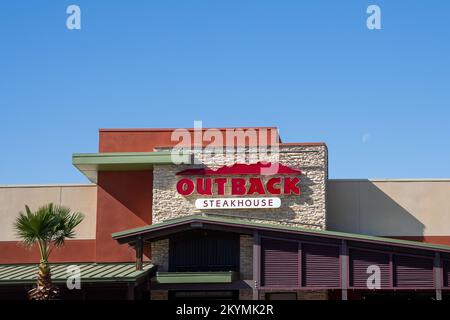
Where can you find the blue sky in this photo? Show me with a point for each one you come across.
(379, 99)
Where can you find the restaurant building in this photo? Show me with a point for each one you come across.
(171, 215)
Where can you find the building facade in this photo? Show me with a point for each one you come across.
(237, 219)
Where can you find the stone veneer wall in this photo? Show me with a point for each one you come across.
(246, 257)
(307, 210)
(160, 254)
(247, 294)
(301, 294)
(159, 295)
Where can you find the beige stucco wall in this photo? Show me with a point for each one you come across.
(81, 198)
(390, 207)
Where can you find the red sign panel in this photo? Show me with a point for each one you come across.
(205, 184)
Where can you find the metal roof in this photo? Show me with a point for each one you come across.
(236, 222)
(90, 272)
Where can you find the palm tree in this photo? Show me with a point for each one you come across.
(48, 227)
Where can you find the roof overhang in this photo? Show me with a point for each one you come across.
(91, 163)
(165, 229)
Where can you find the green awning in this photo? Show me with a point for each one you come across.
(90, 272)
(90, 163)
(196, 277)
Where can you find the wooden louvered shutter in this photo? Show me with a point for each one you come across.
(413, 272)
(446, 270)
(279, 262)
(320, 265)
(360, 260)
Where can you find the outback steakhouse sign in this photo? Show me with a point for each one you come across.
(240, 180)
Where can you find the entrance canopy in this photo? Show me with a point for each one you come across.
(295, 258)
(161, 230)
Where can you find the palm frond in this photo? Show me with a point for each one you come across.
(50, 224)
(67, 222)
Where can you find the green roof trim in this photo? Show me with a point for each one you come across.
(274, 227)
(15, 274)
(195, 277)
(90, 163)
